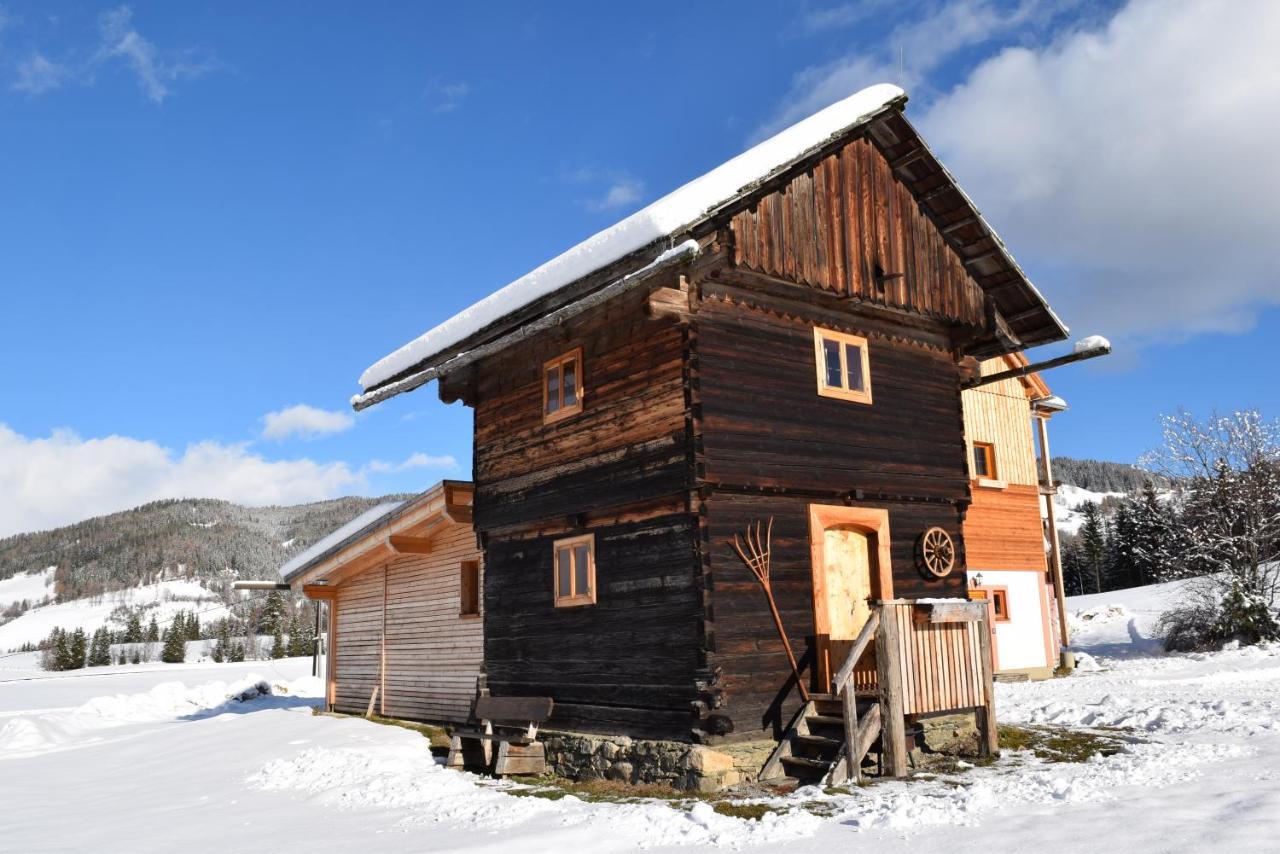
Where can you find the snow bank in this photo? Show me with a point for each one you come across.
(668, 216)
(167, 701)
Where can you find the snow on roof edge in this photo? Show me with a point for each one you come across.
(333, 539)
(662, 218)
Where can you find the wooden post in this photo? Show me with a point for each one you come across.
(853, 764)
(1055, 550)
(893, 733)
(988, 732)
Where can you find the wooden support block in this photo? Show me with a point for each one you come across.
(520, 759)
(959, 612)
(373, 698)
(407, 545)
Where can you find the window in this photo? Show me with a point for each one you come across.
(469, 590)
(843, 366)
(984, 460)
(562, 386)
(999, 597)
(575, 571)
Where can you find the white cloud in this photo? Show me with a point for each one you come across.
(1132, 166)
(417, 460)
(154, 70)
(39, 74)
(923, 41)
(618, 188)
(623, 192)
(446, 97)
(46, 482)
(305, 421)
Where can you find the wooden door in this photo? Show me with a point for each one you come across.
(843, 595)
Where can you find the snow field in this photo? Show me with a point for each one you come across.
(223, 767)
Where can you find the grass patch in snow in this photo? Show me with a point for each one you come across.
(436, 735)
(553, 788)
(1057, 744)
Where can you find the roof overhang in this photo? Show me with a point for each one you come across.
(410, 529)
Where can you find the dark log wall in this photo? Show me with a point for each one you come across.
(833, 225)
(626, 664)
(763, 425)
(621, 470)
(629, 443)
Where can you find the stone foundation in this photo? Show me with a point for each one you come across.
(579, 756)
(945, 736)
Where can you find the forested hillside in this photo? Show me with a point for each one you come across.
(199, 539)
(1102, 476)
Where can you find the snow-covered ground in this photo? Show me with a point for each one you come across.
(123, 758)
(164, 599)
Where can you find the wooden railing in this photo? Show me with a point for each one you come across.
(929, 657)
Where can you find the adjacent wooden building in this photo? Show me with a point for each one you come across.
(405, 618)
(1006, 543)
(781, 342)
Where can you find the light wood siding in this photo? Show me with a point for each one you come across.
(1000, 413)
(433, 654)
(1002, 529)
(358, 653)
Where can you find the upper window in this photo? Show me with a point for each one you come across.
(562, 386)
(984, 460)
(575, 571)
(844, 370)
(469, 589)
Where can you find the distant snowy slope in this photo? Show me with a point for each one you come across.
(164, 600)
(26, 586)
(1068, 502)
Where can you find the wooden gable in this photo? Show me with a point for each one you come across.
(848, 226)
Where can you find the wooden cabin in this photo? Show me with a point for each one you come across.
(405, 627)
(1006, 547)
(780, 343)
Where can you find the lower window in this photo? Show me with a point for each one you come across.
(575, 571)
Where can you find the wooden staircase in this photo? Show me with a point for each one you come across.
(832, 733)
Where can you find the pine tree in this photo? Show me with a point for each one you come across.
(133, 628)
(1093, 544)
(100, 649)
(273, 614)
(278, 648)
(237, 653)
(301, 638)
(77, 649)
(193, 627)
(153, 631)
(174, 650)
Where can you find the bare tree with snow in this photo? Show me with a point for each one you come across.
(1228, 505)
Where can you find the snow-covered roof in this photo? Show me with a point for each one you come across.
(370, 518)
(667, 217)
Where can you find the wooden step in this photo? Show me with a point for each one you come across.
(821, 742)
(825, 720)
(820, 765)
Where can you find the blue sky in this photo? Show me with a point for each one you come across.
(214, 212)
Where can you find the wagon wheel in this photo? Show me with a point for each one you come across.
(937, 552)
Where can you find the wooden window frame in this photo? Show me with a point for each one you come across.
(574, 355)
(573, 599)
(995, 596)
(862, 395)
(989, 454)
(465, 568)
